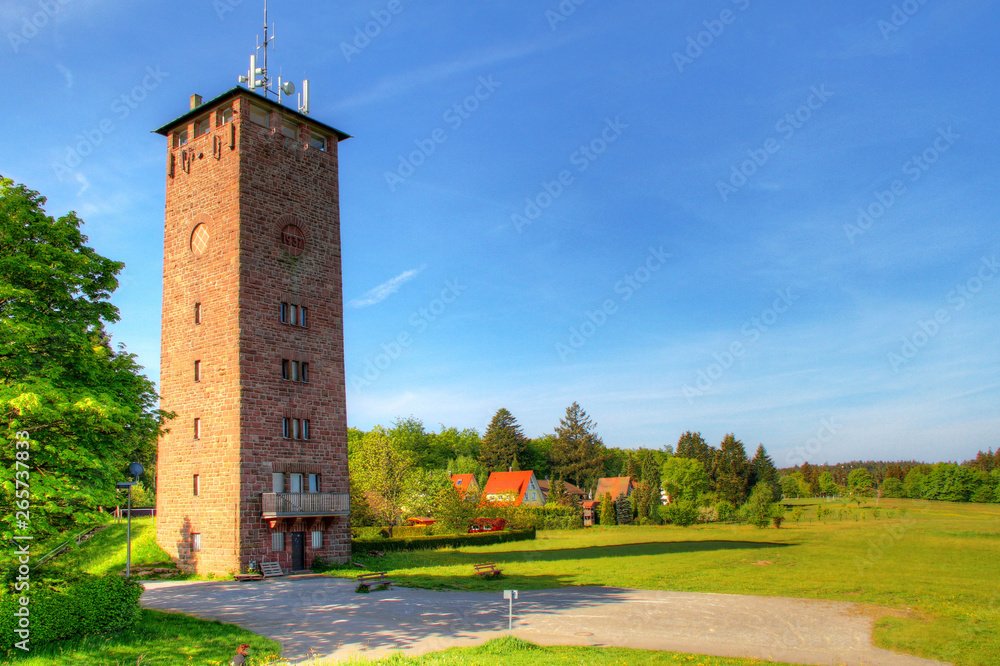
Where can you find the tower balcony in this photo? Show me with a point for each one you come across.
(305, 505)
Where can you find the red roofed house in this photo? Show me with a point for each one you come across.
(616, 485)
(465, 483)
(521, 485)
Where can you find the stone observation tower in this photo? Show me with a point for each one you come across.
(254, 468)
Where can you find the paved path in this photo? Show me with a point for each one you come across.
(323, 616)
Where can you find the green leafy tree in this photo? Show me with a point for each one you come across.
(732, 470)
(86, 409)
(860, 484)
(827, 485)
(607, 510)
(503, 442)
(557, 494)
(421, 489)
(684, 479)
(892, 487)
(537, 457)
(759, 508)
(790, 484)
(913, 485)
(464, 464)
(623, 510)
(578, 454)
(380, 469)
(693, 445)
(455, 511)
(448, 444)
(681, 514)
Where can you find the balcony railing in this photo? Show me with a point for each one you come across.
(293, 505)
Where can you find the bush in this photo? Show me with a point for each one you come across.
(758, 510)
(369, 532)
(66, 608)
(429, 542)
(571, 522)
(682, 514)
(725, 511)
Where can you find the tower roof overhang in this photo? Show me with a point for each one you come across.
(257, 99)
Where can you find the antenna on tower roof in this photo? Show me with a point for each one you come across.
(257, 77)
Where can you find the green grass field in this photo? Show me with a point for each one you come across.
(105, 552)
(937, 561)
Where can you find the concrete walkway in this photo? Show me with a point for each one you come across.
(323, 616)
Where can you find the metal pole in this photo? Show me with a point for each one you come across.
(128, 537)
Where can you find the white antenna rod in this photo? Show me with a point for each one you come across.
(264, 82)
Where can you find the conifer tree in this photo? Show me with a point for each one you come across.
(578, 454)
(503, 442)
(607, 510)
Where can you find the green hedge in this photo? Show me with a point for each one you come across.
(62, 609)
(454, 540)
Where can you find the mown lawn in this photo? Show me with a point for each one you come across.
(161, 639)
(936, 560)
(511, 651)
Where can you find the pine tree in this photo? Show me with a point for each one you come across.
(762, 469)
(503, 442)
(731, 471)
(607, 510)
(557, 493)
(578, 454)
(623, 510)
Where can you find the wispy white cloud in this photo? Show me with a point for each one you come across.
(391, 86)
(385, 290)
(66, 73)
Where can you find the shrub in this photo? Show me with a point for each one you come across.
(757, 510)
(430, 542)
(369, 532)
(682, 514)
(725, 511)
(66, 608)
(797, 514)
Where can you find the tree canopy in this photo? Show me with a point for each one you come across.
(86, 408)
(578, 454)
(503, 443)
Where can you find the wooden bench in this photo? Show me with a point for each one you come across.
(487, 569)
(256, 575)
(375, 578)
(269, 569)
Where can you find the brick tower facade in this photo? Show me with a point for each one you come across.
(254, 467)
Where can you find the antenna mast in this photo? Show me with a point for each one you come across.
(264, 81)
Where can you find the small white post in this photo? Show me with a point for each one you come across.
(510, 595)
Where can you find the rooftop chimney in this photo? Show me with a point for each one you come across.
(195, 101)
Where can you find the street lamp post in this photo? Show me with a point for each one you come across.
(135, 470)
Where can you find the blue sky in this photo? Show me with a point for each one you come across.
(774, 219)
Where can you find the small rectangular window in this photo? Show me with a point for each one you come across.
(197, 428)
(278, 482)
(258, 116)
(197, 313)
(197, 371)
(304, 372)
(223, 116)
(195, 542)
(293, 315)
(295, 371)
(314, 483)
(286, 428)
(295, 429)
(277, 541)
(284, 313)
(296, 483)
(196, 485)
(302, 316)
(317, 141)
(180, 138)
(317, 539)
(202, 126)
(289, 129)
(305, 428)
(284, 368)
